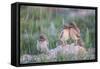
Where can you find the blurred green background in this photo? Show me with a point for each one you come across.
(50, 21)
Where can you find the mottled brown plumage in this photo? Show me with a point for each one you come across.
(42, 44)
(64, 35)
(42, 37)
(71, 31)
(75, 34)
(80, 42)
(73, 25)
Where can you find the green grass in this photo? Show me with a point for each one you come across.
(36, 20)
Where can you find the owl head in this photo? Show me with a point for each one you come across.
(65, 26)
(42, 37)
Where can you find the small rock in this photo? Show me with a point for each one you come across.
(26, 59)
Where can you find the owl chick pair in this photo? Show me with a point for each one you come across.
(71, 31)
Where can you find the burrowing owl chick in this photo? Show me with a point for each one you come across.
(42, 44)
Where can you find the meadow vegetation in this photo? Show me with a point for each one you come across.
(50, 21)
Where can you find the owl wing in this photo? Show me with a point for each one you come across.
(74, 34)
(77, 29)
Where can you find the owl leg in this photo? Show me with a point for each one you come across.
(64, 43)
(80, 42)
(76, 42)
